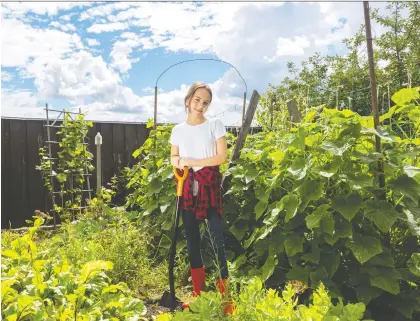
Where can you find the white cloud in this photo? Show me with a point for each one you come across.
(21, 43)
(6, 76)
(19, 104)
(18, 9)
(290, 47)
(120, 55)
(64, 27)
(108, 27)
(92, 42)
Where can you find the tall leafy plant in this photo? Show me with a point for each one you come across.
(71, 167)
(306, 205)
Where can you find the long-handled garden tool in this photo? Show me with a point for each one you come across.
(169, 299)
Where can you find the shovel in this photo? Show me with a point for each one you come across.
(169, 300)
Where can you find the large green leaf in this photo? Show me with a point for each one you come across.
(250, 175)
(366, 293)
(380, 132)
(405, 95)
(268, 268)
(412, 213)
(290, 203)
(364, 247)
(298, 168)
(330, 261)
(336, 148)
(386, 283)
(293, 244)
(239, 229)
(319, 275)
(328, 170)
(381, 213)
(310, 190)
(411, 171)
(298, 273)
(313, 220)
(406, 305)
(406, 186)
(413, 264)
(260, 209)
(348, 205)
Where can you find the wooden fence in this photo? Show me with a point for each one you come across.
(22, 187)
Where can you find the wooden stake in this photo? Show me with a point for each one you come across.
(375, 107)
(240, 142)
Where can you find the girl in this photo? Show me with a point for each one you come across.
(200, 144)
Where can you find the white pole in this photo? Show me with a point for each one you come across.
(98, 143)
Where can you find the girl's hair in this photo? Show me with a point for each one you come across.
(193, 89)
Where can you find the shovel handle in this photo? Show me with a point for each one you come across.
(181, 180)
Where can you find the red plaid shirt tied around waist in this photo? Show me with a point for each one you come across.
(209, 191)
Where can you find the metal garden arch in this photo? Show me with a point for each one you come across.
(199, 59)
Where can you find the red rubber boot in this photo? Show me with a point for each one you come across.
(198, 277)
(222, 285)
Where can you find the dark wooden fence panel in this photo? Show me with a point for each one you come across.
(22, 187)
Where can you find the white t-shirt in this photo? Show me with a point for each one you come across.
(197, 141)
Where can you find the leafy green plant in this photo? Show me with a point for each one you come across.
(71, 167)
(307, 205)
(256, 303)
(37, 285)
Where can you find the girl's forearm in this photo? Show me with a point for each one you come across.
(211, 161)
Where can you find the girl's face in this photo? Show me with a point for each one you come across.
(199, 102)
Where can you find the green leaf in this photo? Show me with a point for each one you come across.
(413, 219)
(319, 275)
(293, 244)
(353, 312)
(154, 187)
(336, 148)
(383, 259)
(262, 194)
(273, 218)
(310, 190)
(239, 229)
(92, 268)
(290, 202)
(406, 186)
(277, 156)
(314, 255)
(260, 209)
(330, 261)
(413, 264)
(364, 247)
(250, 175)
(268, 267)
(386, 283)
(347, 206)
(411, 171)
(406, 305)
(299, 138)
(327, 225)
(298, 273)
(329, 169)
(381, 213)
(313, 220)
(405, 95)
(366, 293)
(380, 132)
(298, 168)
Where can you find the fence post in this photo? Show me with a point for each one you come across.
(98, 143)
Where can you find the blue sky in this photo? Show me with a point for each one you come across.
(105, 57)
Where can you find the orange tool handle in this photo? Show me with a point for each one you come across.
(181, 180)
